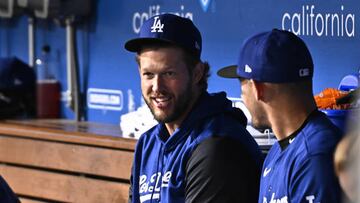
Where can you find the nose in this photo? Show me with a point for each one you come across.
(157, 83)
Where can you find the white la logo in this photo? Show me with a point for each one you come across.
(157, 25)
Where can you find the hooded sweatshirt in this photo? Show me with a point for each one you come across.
(209, 158)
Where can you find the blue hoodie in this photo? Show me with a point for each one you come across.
(160, 161)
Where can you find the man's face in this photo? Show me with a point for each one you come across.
(166, 84)
(258, 114)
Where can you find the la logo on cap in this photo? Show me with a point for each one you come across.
(247, 69)
(157, 25)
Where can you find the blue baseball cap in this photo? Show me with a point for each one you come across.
(277, 56)
(169, 29)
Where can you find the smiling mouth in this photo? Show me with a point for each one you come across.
(161, 102)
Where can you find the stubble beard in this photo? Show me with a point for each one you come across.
(180, 106)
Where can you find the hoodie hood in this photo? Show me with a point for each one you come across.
(209, 105)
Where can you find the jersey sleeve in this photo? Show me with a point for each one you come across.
(315, 181)
(221, 170)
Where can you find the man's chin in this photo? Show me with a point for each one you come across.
(161, 117)
(261, 128)
(165, 118)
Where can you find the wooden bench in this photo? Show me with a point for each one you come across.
(65, 161)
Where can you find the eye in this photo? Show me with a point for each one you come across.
(169, 74)
(148, 75)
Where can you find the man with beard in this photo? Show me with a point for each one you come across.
(275, 69)
(200, 151)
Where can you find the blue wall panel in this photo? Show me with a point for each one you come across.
(105, 65)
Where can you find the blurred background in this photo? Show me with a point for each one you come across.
(91, 34)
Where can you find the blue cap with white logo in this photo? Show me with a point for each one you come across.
(171, 29)
(277, 56)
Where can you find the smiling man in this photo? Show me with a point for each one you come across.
(200, 151)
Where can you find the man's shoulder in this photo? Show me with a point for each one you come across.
(222, 128)
(320, 136)
(320, 123)
(220, 168)
(220, 143)
(222, 150)
(148, 136)
(229, 148)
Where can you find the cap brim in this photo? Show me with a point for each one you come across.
(135, 45)
(228, 72)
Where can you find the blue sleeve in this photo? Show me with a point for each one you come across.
(315, 181)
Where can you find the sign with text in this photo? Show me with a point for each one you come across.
(105, 99)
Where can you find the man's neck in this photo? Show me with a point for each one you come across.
(286, 120)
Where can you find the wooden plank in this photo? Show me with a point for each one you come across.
(67, 157)
(61, 187)
(71, 126)
(34, 129)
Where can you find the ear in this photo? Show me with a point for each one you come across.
(137, 59)
(259, 89)
(198, 72)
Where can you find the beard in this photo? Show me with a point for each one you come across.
(180, 105)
